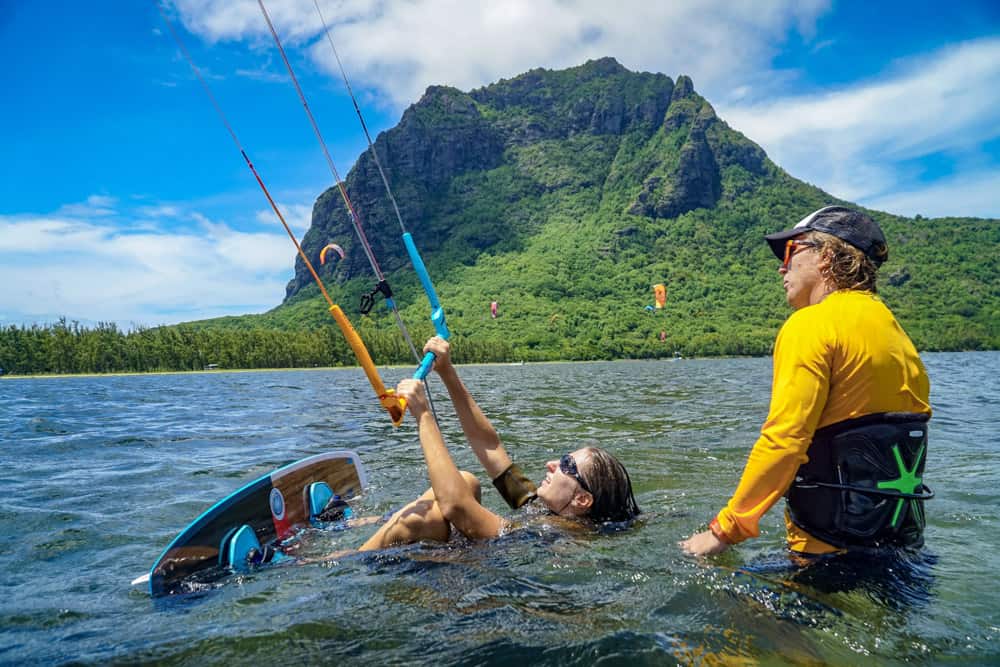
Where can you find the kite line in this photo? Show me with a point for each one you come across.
(393, 404)
(437, 311)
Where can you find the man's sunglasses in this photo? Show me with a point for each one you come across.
(568, 467)
(792, 247)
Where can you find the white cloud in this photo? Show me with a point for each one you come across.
(160, 211)
(96, 271)
(298, 217)
(973, 195)
(854, 142)
(264, 74)
(399, 47)
(96, 205)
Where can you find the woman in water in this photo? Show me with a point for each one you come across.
(588, 484)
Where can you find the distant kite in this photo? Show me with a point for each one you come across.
(493, 309)
(332, 246)
(660, 291)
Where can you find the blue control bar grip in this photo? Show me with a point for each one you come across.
(437, 312)
(418, 265)
(425, 367)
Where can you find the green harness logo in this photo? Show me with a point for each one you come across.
(907, 482)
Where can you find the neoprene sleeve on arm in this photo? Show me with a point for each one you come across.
(514, 486)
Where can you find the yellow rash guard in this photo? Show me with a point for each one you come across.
(844, 357)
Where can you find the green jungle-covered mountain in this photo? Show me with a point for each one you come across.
(565, 196)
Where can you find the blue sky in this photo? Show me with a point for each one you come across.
(124, 198)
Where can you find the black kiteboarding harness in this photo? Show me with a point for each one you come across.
(863, 484)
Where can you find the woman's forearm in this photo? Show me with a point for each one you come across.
(478, 429)
(446, 480)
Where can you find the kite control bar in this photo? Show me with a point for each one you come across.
(437, 312)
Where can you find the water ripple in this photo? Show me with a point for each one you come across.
(100, 473)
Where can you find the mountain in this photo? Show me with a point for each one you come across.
(565, 195)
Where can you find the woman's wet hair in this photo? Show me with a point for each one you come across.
(610, 486)
(849, 267)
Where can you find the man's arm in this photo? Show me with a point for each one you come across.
(798, 394)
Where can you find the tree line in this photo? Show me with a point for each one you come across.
(68, 347)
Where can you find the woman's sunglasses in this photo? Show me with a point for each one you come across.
(567, 465)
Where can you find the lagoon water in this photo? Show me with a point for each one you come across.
(99, 474)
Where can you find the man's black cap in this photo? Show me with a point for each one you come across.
(847, 224)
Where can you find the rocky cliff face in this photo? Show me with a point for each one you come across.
(442, 136)
(709, 146)
(600, 97)
(449, 135)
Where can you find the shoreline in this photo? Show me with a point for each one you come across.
(215, 371)
(47, 376)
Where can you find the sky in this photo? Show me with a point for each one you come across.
(124, 199)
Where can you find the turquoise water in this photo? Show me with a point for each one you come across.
(99, 474)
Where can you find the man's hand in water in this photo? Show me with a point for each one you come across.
(703, 544)
(413, 392)
(442, 353)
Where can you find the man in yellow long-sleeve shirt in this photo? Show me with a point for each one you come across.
(845, 437)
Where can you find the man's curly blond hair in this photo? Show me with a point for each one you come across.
(848, 267)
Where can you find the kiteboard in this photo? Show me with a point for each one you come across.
(248, 525)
